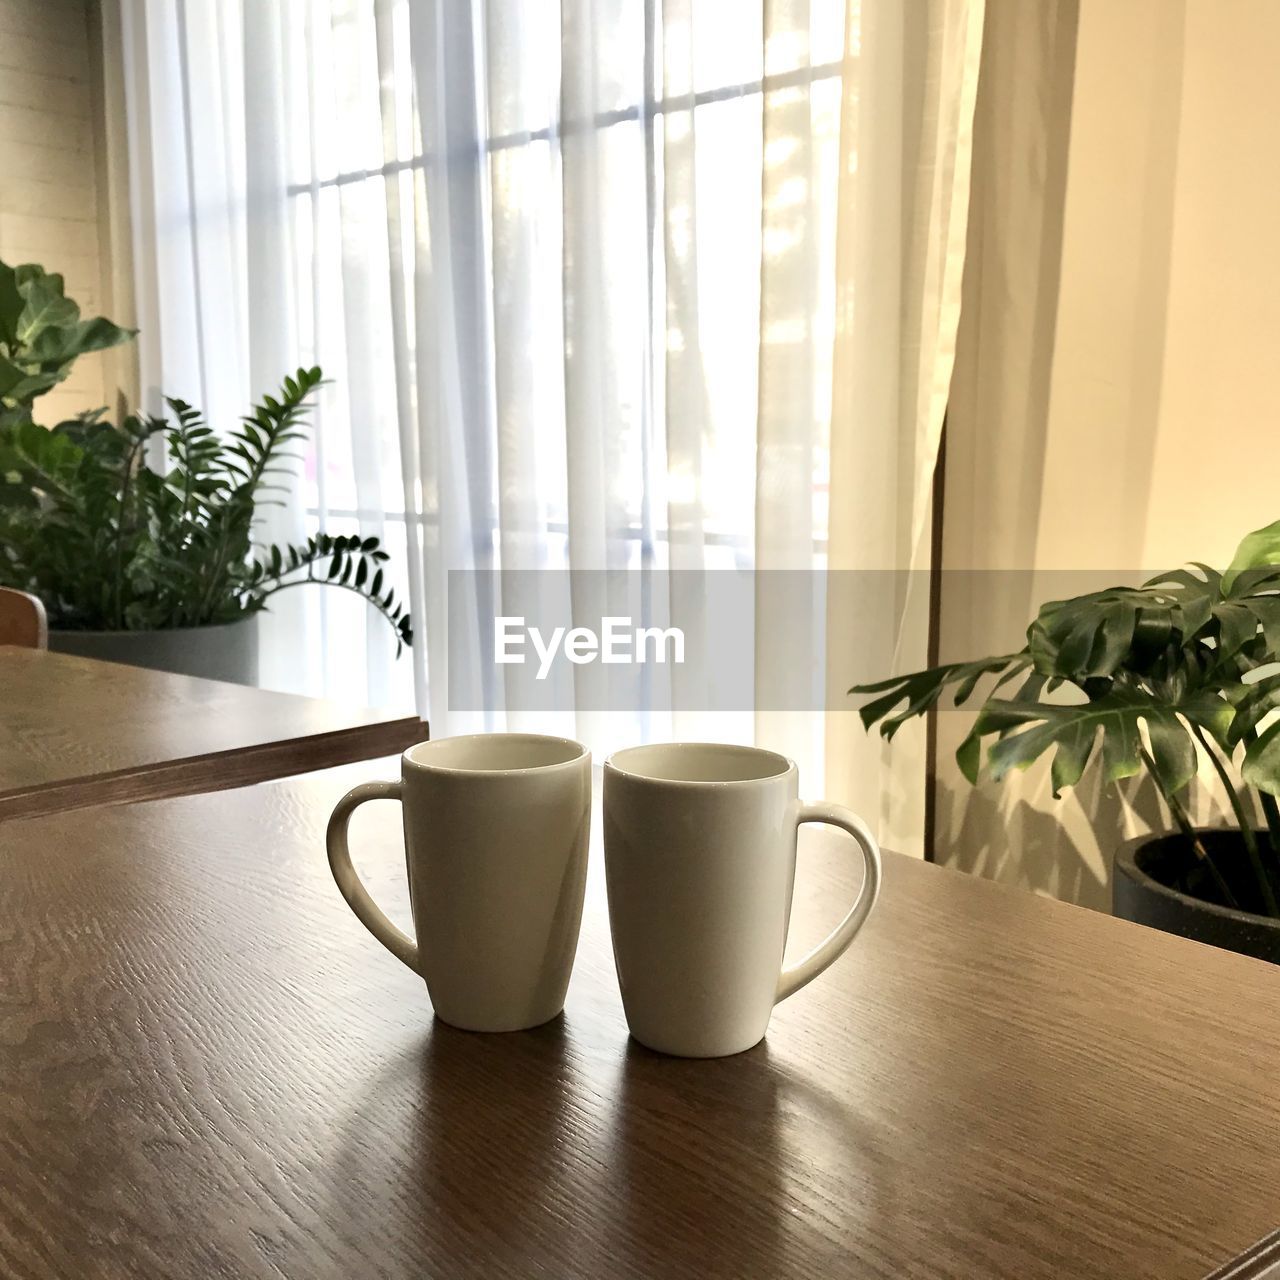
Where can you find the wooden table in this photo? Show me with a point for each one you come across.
(75, 733)
(207, 1068)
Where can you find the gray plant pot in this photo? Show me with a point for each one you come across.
(1159, 882)
(227, 652)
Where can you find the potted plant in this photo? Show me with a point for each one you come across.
(1147, 679)
(156, 567)
(42, 336)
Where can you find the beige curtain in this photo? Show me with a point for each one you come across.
(904, 198)
(1056, 406)
(998, 424)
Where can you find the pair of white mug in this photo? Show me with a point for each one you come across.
(700, 844)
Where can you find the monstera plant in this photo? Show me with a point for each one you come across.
(1148, 679)
(148, 525)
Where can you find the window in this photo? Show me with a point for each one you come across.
(534, 214)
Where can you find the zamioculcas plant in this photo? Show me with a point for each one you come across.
(109, 543)
(1138, 679)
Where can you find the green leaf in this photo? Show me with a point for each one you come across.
(1172, 751)
(32, 386)
(1194, 611)
(1121, 745)
(1253, 702)
(1261, 766)
(45, 308)
(1267, 611)
(69, 342)
(922, 690)
(1090, 635)
(1205, 579)
(1075, 746)
(10, 376)
(1071, 729)
(969, 755)
(1237, 624)
(1152, 633)
(11, 304)
(50, 280)
(1211, 711)
(1253, 582)
(1257, 549)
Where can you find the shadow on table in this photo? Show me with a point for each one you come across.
(694, 1166)
(566, 1152)
(456, 1150)
(711, 1169)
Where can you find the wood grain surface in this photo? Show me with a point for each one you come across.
(76, 733)
(209, 1069)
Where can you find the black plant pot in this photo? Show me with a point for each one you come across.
(1160, 882)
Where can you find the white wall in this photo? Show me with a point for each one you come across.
(1115, 410)
(49, 168)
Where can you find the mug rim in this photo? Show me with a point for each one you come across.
(788, 766)
(581, 752)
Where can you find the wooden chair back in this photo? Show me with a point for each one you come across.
(22, 620)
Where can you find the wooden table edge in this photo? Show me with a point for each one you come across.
(216, 770)
(1261, 1261)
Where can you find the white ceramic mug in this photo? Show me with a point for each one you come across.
(496, 828)
(700, 857)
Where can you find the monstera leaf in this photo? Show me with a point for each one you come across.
(1094, 635)
(1257, 550)
(1026, 730)
(923, 689)
(1261, 766)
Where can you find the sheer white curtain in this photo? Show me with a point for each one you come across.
(903, 214)
(583, 275)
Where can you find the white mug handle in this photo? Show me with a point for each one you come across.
(367, 911)
(833, 946)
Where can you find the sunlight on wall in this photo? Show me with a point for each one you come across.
(1114, 378)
